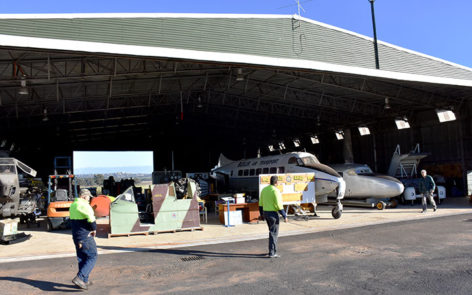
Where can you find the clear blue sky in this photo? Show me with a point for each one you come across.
(111, 159)
(436, 27)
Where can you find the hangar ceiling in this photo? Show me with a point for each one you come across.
(91, 97)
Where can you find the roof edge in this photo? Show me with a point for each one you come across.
(109, 48)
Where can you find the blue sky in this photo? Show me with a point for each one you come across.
(436, 27)
(83, 159)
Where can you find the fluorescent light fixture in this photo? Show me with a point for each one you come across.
(339, 135)
(281, 145)
(364, 130)
(240, 76)
(23, 89)
(402, 123)
(271, 148)
(387, 104)
(4, 143)
(296, 142)
(445, 115)
(199, 105)
(314, 139)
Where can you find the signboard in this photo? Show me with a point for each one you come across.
(296, 188)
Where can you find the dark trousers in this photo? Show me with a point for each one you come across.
(86, 256)
(272, 219)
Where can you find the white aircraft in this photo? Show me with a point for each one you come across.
(366, 187)
(243, 175)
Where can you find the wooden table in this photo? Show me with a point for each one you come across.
(250, 211)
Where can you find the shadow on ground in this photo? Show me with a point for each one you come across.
(43, 285)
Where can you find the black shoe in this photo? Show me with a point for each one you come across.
(274, 256)
(79, 283)
(434, 209)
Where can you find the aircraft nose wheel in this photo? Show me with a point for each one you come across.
(380, 205)
(336, 213)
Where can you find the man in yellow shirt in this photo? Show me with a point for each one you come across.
(84, 226)
(270, 205)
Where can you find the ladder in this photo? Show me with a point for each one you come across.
(405, 165)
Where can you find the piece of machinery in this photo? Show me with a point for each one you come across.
(62, 189)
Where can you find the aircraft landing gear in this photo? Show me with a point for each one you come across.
(380, 205)
(337, 211)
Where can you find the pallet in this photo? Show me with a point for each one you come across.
(155, 232)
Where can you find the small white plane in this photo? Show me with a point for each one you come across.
(243, 175)
(366, 187)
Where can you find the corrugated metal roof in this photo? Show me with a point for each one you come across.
(276, 37)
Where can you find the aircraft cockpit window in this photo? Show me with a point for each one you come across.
(292, 160)
(246, 172)
(240, 172)
(281, 170)
(311, 160)
(7, 169)
(364, 171)
(258, 171)
(252, 172)
(300, 162)
(265, 171)
(273, 170)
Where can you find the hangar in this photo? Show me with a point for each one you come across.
(201, 84)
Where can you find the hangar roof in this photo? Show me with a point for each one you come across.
(274, 40)
(245, 78)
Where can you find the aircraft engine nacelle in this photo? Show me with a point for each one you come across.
(409, 194)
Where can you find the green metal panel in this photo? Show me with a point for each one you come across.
(272, 37)
(123, 216)
(172, 214)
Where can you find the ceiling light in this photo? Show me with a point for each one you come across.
(3, 143)
(296, 142)
(402, 123)
(363, 130)
(199, 105)
(387, 104)
(271, 148)
(281, 145)
(240, 76)
(23, 89)
(45, 115)
(339, 135)
(314, 139)
(445, 115)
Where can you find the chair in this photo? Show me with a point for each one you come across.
(203, 211)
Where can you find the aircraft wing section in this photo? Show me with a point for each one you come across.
(25, 168)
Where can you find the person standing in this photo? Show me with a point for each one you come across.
(270, 205)
(84, 226)
(427, 187)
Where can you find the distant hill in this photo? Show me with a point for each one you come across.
(110, 170)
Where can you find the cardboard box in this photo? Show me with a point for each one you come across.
(8, 227)
(235, 217)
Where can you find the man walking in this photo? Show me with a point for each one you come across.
(270, 205)
(427, 187)
(82, 220)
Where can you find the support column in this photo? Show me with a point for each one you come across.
(347, 147)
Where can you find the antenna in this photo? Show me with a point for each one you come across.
(299, 5)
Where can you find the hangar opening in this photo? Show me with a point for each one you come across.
(239, 85)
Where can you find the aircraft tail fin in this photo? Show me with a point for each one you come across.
(222, 161)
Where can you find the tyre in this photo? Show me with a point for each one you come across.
(380, 205)
(336, 213)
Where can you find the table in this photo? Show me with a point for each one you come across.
(250, 211)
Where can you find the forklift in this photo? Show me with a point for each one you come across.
(62, 189)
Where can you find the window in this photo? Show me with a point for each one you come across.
(246, 172)
(292, 160)
(240, 173)
(252, 172)
(265, 171)
(258, 171)
(281, 170)
(273, 170)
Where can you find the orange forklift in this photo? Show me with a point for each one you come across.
(62, 189)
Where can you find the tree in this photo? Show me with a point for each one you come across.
(98, 179)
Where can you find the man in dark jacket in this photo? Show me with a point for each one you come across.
(427, 187)
(82, 220)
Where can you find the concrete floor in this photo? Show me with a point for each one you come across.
(45, 244)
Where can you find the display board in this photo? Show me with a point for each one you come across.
(296, 188)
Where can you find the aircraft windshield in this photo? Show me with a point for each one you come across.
(311, 160)
(7, 169)
(364, 171)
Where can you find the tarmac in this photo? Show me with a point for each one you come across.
(56, 244)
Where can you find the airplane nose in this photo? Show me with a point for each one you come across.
(396, 188)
